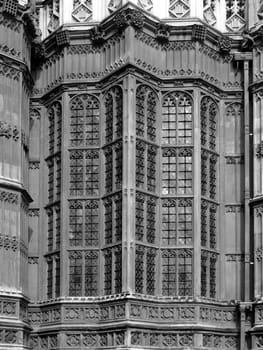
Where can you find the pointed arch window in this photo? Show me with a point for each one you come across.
(113, 114)
(146, 110)
(177, 109)
(84, 121)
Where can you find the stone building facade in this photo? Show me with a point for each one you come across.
(131, 174)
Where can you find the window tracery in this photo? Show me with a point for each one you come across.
(177, 171)
(113, 113)
(113, 270)
(177, 272)
(83, 273)
(208, 274)
(145, 4)
(84, 223)
(84, 121)
(179, 8)
(209, 7)
(146, 165)
(82, 10)
(84, 172)
(146, 110)
(177, 119)
(209, 116)
(235, 14)
(177, 222)
(145, 260)
(145, 213)
(53, 12)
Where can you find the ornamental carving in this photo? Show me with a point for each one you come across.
(129, 17)
(209, 7)
(82, 10)
(114, 5)
(259, 253)
(259, 150)
(9, 131)
(162, 33)
(97, 35)
(179, 8)
(224, 44)
(9, 197)
(145, 4)
(10, 23)
(235, 15)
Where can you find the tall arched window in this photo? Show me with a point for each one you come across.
(84, 121)
(146, 105)
(113, 113)
(177, 109)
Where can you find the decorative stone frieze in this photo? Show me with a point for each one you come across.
(9, 197)
(8, 308)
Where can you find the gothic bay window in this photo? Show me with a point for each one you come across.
(108, 225)
(84, 223)
(177, 222)
(84, 172)
(146, 166)
(118, 165)
(49, 277)
(177, 119)
(235, 14)
(145, 270)
(75, 273)
(92, 172)
(113, 219)
(83, 273)
(107, 272)
(75, 223)
(145, 213)
(209, 116)
(208, 274)
(91, 223)
(208, 224)
(50, 229)
(91, 273)
(146, 105)
(53, 275)
(177, 171)
(177, 272)
(113, 114)
(113, 270)
(212, 176)
(108, 169)
(84, 121)
(57, 226)
(54, 127)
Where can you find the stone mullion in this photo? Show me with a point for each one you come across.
(197, 195)
(129, 166)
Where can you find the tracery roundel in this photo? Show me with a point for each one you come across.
(84, 121)
(177, 118)
(146, 105)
